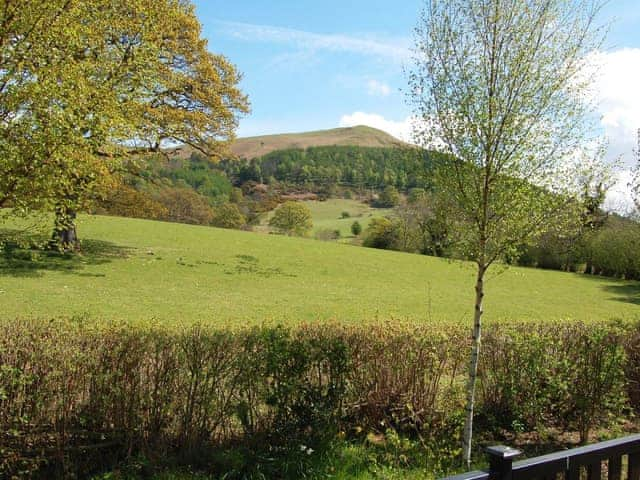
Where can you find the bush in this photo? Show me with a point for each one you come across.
(228, 215)
(571, 376)
(292, 218)
(389, 198)
(126, 201)
(356, 228)
(75, 398)
(381, 233)
(345, 215)
(184, 205)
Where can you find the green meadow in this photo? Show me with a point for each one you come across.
(327, 215)
(141, 270)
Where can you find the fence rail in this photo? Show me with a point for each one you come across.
(611, 460)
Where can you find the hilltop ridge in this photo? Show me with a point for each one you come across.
(361, 136)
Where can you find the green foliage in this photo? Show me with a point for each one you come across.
(275, 402)
(228, 215)
(381, 234)
(349, 166)
(292, 218)
(89, 84)
(356, 228)
(569, 376)
(389, 198)
(201, 174)
(126, 201)
(184, 205)
(614, 250)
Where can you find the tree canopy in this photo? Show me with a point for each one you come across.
(85, 84)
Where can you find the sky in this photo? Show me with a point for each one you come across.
(311, 65)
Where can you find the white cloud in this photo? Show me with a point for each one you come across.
(616, 93)
(402, 130)
(395, 49)
(378, 89)
(619, 198)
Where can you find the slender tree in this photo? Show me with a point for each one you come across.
(500, 89)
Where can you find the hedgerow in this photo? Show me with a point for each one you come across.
(77, 398)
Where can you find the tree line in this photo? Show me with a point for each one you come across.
(353, 167)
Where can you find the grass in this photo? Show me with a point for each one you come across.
(348, 461)
(141, 270)
(327, 215)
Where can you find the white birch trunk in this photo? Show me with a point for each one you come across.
(473, 366)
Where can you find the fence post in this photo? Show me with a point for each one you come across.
(501, 462)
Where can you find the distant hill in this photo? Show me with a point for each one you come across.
(254, 147)
(361, 136)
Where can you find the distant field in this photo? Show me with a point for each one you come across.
(141, 270)
(327, 215)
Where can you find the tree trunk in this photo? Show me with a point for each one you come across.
(65, 236)
(473, 365)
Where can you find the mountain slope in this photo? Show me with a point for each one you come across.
(361, 136)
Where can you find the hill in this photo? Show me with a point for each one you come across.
(142, 270)
(360, 136)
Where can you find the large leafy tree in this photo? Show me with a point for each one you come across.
(86, 84)
(500, 89)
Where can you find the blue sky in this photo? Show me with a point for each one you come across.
(312, 65)
(308, 63)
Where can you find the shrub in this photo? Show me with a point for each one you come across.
(184, 205)
(356, 228)
(345, 215)
(571, 376)
(381, 233)
(389, 198)
(228, 215)
(292, 218)
(74, 397)
(126, 201)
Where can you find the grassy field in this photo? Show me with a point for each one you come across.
(141, 270)
(327, 215)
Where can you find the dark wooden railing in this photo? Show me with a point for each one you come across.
(612, 460)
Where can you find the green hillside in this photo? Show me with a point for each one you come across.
(141, 270)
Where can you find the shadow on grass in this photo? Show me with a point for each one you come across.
(26, 255)
(623, 291)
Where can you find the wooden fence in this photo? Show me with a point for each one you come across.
(611, 460)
